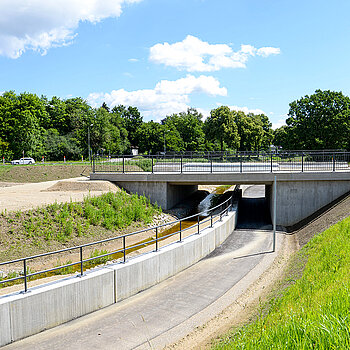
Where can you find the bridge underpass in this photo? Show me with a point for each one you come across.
(254, 209)
(299, 195)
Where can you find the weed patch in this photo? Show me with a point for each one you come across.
(73, 223)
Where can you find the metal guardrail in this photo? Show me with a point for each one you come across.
(286, 161)
(216, 212)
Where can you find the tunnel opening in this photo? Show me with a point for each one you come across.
(254, 208)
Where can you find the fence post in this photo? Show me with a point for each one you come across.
(81, 262)
(240, 162)
(333, 162)
(156, 238)
(271, 162)
(25, 275)
(152, 163)
(123, 165)
(181, 163)
(211, 219)
(198, 224)
(93, 163)
(124, 249)
(180, 231)
(302, 161)
(274, 213)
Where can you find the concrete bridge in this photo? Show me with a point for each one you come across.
(306, 180)
(299, 194)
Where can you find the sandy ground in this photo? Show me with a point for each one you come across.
(15, 197)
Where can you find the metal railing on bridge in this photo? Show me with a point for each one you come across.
(213, 162)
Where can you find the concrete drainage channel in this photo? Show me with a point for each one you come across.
(58, 302)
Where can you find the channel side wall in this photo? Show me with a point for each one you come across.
(296, 200)
(47, 306)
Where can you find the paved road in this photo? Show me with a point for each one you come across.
(167, 312)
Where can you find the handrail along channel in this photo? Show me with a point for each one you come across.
(26, 275)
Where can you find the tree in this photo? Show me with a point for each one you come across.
(132, 121)
(319, 121)
(190, 128)
(21, 119)
(107, 133)
(150, 135)
(221, 127)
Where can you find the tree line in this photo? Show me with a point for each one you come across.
(56, 128)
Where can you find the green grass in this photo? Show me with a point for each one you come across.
(59, 225)
(312, 313)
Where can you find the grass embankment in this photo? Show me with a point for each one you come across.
(57, 226)
(42, 172)
(313, 312)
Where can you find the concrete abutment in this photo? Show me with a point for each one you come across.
(297, 200)
(162, 193)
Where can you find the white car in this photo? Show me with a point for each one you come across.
(23, 161)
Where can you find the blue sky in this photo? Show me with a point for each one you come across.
(166, 55)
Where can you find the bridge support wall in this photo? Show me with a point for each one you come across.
(165, 194)
(296, 200)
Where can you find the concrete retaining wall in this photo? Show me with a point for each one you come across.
(296, 200)
(165, 194)
(47, 306)
(148, 270)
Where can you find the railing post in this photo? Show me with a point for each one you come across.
(124, 249)
(180, 231)
(152, 164)
(93, 163)
(25, 275)
(123, 165)
(302, 162)
(333, 162)
(181, 163)
(271, 162)
(81, 262)
(211, 165)
(211, 219)
(240, 163)
(156, 238)
(198, 224)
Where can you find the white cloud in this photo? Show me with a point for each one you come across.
(267, 51)
(195, 55)
(133, 60)
(246, 110)
(279, 123)
(166, 98)
(41, 24)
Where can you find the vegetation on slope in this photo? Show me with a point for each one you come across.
(59, 225)
(313, 312)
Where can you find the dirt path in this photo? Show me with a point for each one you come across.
(245, 307)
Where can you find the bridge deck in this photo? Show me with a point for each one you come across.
(197, 178)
